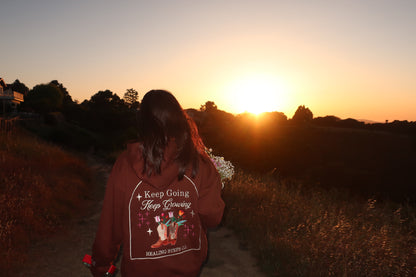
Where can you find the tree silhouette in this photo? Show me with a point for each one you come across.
(302, 115)
(67, 100)
(106, 112)
(329, 120)
(19, 87)
(209, 106)
(44, 98)
(105, 99)
(130, 97)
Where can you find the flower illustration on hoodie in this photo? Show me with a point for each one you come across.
(167, 228)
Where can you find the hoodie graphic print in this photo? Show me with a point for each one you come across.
(160, 221)
(166, 217)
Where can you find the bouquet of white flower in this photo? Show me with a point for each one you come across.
(224, 168)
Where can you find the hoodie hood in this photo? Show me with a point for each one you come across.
(169, 167)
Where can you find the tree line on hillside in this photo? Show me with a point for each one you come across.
(367, 159)
(104, 121)
(54, 97)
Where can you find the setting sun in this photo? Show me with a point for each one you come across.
(257, 94)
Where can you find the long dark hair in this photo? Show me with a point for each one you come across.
(161, 119)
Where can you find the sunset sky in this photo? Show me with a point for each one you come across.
(351, 58)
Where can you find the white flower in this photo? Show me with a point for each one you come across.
(224, 168)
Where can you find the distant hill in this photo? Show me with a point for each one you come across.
(369, 160)
(368, 121)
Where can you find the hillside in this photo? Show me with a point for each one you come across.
(42, 187)
(296, 231)
(293, 228)
(365, 160)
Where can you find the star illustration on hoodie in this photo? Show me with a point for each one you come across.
(149, 231)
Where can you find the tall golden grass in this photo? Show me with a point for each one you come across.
(41, 186)
(295, 231)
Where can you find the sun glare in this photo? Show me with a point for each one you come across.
(257, 94)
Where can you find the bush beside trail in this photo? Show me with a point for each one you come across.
(42, 186)
(295, 231)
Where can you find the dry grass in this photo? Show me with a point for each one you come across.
(41, 186)
(299, 232)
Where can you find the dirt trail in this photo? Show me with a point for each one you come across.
(61, 254)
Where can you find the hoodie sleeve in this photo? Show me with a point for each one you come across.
(211, 206)
(109, 234)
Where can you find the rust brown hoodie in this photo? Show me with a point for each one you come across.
(160, 222)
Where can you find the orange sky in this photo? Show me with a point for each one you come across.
(345, 58)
